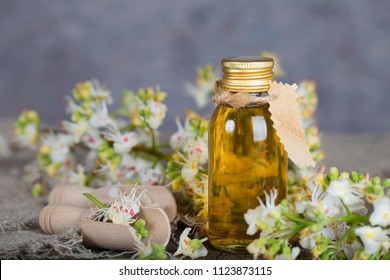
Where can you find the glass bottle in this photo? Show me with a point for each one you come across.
(246, 157)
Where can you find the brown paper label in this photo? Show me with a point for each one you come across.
(287, 120)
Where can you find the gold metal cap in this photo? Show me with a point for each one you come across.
(247, 73)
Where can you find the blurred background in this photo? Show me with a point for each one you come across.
(46, 47)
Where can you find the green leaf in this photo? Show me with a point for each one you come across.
(97, 202)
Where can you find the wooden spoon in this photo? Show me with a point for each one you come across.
(57, 218)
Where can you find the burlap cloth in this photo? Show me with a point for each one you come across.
(22, 238)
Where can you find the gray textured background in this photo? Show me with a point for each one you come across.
(48, 46)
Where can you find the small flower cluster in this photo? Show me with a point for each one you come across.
(27, 129)
(203, 88)
(329, 219)
(151, 251)
(117, 147)
(123, 211)
(308, 100)
(191, 248)
(187, 168)
(145, 109)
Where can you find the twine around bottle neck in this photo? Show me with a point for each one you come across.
(237, 99)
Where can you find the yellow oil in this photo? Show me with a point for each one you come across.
(246, 159)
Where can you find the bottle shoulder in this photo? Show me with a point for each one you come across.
(227, 112)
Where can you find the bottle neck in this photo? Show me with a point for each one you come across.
(252, 95)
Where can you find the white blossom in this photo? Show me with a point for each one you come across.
(100, 116)
(59, 146)
(342, 190)
(313, 207)
(157, 113)
(190, 167)
(256, 249)
(309, 241)
(132, 166)
(123, 210)
(123, 142)
(199, 149)
(31, 172)
(92, 139)
(373, 238)
(76, 130)
(143, 249)
(29, 136)
(77, 178)
(111, 171)
(98, 91)
(179, 138)
(381, 214)
(262, 217)
(135, 165)
(72, 106)
(289, 256)
(190, 248)
(152, 176)
(141, 170)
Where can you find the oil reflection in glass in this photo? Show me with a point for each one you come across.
(259, 128)
(229, 126)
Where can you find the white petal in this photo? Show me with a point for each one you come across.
(381, 214)
(295, 252)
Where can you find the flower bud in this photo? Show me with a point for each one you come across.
(316, 227)
(318, 250)
(284, 203)
(378, 189)
(344, 175)
(144, 232)
(195, 244)
(355, 176)
(333, 173)
(140, 223)
(260, 242)
(286, 250)
(376, 181)
(177, 184)
(273, 249)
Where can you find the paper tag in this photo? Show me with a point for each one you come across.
(287, 120)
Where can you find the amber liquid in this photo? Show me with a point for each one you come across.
(246, 159)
